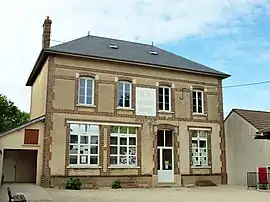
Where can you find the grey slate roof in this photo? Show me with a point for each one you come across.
(129, 51)
(97, 47)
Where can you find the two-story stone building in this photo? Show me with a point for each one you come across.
(119, 110)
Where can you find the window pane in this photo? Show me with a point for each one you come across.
(132, 160)
(200, 109)
(88, 100)
(202, 144)
(114, 129)
(73, 149)
(132, 151)
(168, 138)
(167, 90)
(73, 138)
(132, 141)
(160, 106)
(123, 150)
(132, 130)
(84, 149)
(94, 160)
(120, 87)
(123, 129)
(81, 99)
(77, 128)
(194, 133)
(202, 134)
(127, 87)
(113, 141)
(123, 141)
(167, 106)
(127, 101)
(113, 150)
(123, 160)
(158, 158)
(72, 159)
(160, 138)
(120, 101)
(84, 140)
(89, 83)
(93, 129)
(194, 95)
(160, 92)
(113, 160)
(82, 82)
(94, 150)
(83, 159)
(94, 139)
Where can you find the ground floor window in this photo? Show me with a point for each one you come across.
(84, 144)
(123, 146)
(199, 148)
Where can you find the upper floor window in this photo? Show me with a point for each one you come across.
(197, 102)
(124, 94)
(164, 98)
(86, 91)
(199, 148)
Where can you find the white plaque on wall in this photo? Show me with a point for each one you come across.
(145, 101)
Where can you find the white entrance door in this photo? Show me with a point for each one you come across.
(165, 157)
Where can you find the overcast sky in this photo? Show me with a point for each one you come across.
(228, 35)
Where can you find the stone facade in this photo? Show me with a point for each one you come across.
(61, 107)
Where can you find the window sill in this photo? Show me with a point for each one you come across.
(85, 105)
(198, 114)
(200, 167)
(30, 145)
(165, 112)
(121, 166)
(84, 166)
(125, 108)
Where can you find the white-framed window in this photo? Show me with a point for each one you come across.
(164, 98)
(123, 146)
(197, 102)
(124, 94)
(86, 91)
(84, 144)
(199, 148)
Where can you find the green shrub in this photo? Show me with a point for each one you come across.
(73, 184)
(116, 184)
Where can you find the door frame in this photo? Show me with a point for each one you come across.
(160, 160)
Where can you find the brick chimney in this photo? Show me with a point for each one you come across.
(46, 37)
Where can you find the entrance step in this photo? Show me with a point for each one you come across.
(167, 185)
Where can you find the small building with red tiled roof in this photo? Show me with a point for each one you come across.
(247, 147)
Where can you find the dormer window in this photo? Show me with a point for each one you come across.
(113, 46)
(152, 52)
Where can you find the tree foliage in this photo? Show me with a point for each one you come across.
(10, 115)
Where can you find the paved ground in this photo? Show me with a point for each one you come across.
(217, 194)
(30, 191)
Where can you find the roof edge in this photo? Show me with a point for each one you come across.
(38, 119)
(44, 53)
(36, 69)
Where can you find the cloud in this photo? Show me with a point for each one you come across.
(145, 21)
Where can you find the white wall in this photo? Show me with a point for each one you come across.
(244, 153)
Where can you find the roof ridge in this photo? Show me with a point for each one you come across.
(251, 110)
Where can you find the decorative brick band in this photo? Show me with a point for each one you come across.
(138, 118)
(86, 69)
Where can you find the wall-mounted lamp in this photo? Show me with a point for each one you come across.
(205, 90)
(191, 88)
